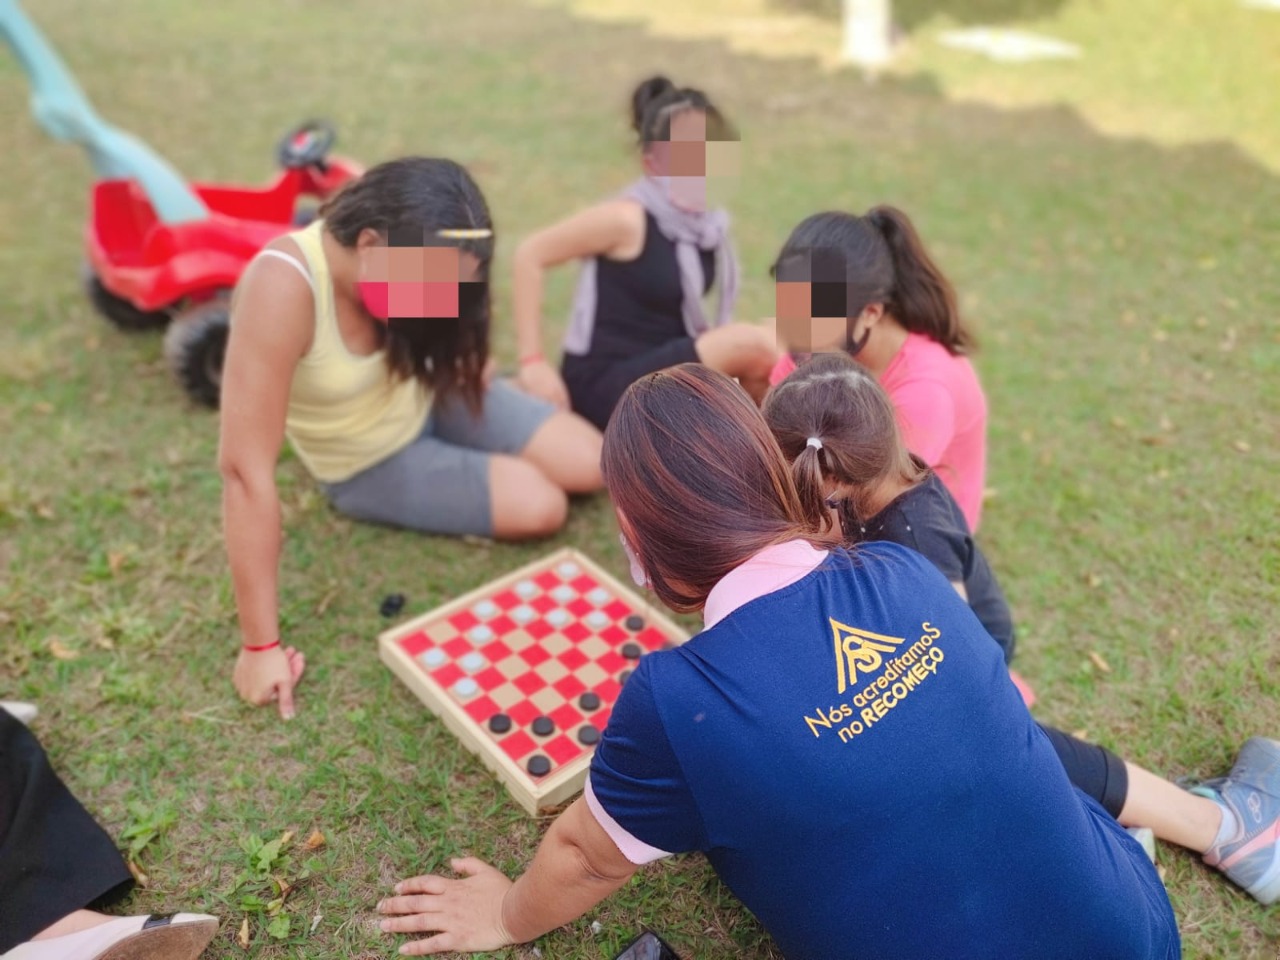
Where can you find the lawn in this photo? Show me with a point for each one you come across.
(1125, 289)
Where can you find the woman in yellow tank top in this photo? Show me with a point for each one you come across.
(363, 339)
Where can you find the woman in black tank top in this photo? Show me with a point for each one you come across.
(635, 310)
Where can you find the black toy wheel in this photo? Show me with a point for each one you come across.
(307, 145)
(120, 312)
(195, 346)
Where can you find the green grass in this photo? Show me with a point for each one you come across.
(1125, 291)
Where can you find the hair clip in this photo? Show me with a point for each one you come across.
(465, 233)
(814, 442)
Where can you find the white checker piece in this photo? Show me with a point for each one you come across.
(466, 687)
(433, 657)
(472, 662)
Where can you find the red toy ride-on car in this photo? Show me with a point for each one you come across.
(160, 250)
(144, 273)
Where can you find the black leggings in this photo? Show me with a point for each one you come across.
(54, 858)
(1095, 770)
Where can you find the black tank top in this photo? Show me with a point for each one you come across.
(639, 303)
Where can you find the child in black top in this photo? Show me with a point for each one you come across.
(837, 427)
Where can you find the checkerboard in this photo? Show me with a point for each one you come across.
(525, 670)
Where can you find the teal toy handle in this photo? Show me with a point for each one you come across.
(61, 108)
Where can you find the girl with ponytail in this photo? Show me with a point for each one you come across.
(649, 257)
(856, 479)
(867, 286)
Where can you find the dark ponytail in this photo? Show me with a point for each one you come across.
(884, 262)
(644, 96)
(807, 472)
(836, 401)
(655, 101)
(923, 299)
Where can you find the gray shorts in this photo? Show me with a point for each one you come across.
(440, 482)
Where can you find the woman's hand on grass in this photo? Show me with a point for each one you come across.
(266, 675)
(464, 915)
(538, 378)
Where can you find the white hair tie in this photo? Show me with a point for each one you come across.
(815, 443)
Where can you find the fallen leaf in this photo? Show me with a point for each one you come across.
(242, 937)
(1098, 662)
(1119, 422)
(1242, 446)
(44, 511)
(1092, 580)
(115, 560)
(60, 650)
(1156, 440)
(315, 841)
(327, 599)
(315, 922)
(285, 838)
(139, 877)
(1165, 423)
(1202, 322)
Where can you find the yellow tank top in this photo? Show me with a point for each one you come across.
(346, 412)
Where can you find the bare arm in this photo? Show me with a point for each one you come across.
(271, 328)
(576, 866)
(614, 229)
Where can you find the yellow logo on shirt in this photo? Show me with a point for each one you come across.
(859, 650)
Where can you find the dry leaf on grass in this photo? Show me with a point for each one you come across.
(315, 841)
(139, 877)
(242, 937)
(1096, 658)
(60, 650)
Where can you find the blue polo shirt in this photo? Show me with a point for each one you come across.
(851, 756)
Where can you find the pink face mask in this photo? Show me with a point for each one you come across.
(376, 297)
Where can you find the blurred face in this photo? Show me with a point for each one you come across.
(404, 281)
(689, 164)
(812, 304)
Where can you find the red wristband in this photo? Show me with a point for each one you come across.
(531, 358)
(266, 646)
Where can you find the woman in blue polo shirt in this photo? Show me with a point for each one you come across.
(842, 740)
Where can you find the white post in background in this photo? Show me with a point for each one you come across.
(867, 33)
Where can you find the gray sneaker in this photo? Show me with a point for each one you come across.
(1251, 791)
